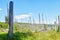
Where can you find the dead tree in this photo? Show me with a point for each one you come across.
(10, 24)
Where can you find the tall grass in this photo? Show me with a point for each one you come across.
(50, 35)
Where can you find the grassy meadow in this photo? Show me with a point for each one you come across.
(22, 32)
(51, 35)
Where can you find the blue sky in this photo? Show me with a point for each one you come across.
(23, 9)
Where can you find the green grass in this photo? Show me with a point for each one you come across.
(23, 33)
(51, 35)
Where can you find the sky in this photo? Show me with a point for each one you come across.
(24, 9)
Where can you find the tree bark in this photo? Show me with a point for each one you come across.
(10, 24)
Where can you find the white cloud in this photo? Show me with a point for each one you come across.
(23, 16)
(0, 9)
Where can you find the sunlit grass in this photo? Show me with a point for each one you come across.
(50, 35)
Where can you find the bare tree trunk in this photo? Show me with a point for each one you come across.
(59, 23)
(10, 32)
(39, 18)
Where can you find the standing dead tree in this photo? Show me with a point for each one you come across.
(10, 24)
(58, 30)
